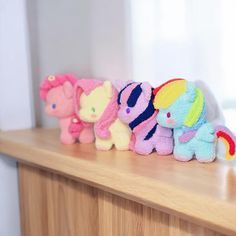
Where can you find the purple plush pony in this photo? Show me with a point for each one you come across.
(137, 110)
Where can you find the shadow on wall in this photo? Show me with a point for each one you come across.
(58, 44)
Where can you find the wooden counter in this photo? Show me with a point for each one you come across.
(77, 190)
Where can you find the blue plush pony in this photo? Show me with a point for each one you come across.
(182, 107)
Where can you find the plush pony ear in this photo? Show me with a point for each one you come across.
(108, 87)
(196, 109)
(68, 89)
(190, 92)
(147, 90)
(120, 84)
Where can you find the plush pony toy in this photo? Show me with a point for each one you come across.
(97, 104)
(181, 106)
(58, 94)
(136, 109)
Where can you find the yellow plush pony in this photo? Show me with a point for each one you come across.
(97, 103)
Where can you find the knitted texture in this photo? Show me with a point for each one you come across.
(97, 105)
(58, 93)
(136, 109)
(186, 114)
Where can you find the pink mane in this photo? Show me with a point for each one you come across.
(47, 84)
(110, 113)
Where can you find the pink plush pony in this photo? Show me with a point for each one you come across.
(58, 93)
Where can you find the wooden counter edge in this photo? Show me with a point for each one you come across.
(196, 208)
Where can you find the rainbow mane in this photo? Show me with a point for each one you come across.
(167, 93)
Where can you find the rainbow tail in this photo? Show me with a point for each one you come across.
(229, 140)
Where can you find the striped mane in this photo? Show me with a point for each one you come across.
(130, 95)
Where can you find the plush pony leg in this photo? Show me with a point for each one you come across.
(87, 135)
(65, 136)
(182, 152)
(143, 147)
(164, 145)
(206, 152)
(122, 142)
(121, 135)
(103, 144)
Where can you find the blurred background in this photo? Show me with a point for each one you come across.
(144, 40)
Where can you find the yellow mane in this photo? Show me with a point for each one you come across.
(169, 93)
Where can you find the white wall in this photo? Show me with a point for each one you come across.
(15, 104)
(59, 43)
(86, 37)
(110, 36)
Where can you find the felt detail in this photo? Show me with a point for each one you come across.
(151, 132)
(156, 90)
(229, 140)
(201, 121)
(195, 110)
(166, 94)
(134, 96)
(147, 135)
(185, 137)
(88, 85)
(108, 115)
(143, 116)
(144, 123)
(120, 93)
(194, 136)
(58, 93)
(98, 105)
(54, 81)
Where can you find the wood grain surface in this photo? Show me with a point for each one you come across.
(52, 205)
(204, 194)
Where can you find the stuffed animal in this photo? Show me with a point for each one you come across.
(136, 109)
(181, 106)
(58, 94)
(97, 104)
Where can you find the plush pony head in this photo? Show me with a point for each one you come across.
(135, 104)
(180, 104)
(57, 92)
(96, 103)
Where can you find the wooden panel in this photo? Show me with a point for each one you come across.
(52, 205)
(201, 193)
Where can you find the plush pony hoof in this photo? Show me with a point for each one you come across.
(86, 136)
(183, 158)
(122, 148)
(85, 139)
(205, 160)
(164, 152)
(67, 141)
(103, 147)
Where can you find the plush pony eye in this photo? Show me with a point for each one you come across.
(127, 110)
(168, 115)
(54, 106)
(93, 109)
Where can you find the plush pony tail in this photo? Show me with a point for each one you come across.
(229, 140)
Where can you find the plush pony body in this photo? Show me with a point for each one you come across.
(137, 110)
(98, 105)
(58, 94)
(181, 106)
